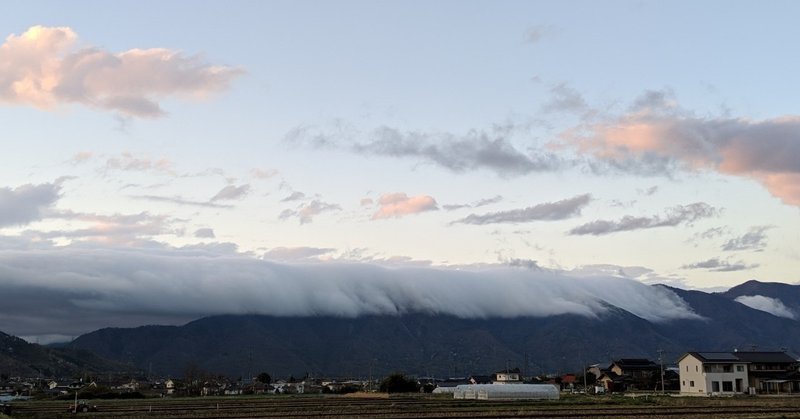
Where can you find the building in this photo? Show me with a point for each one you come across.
(712, 373)
(724, 373)
(771, 372)
(508, 376)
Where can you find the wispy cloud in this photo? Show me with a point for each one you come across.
(231, 192)
(478, 149)
(755, 239)
(549, 211)
(396, 205)
(477, 204)
(43, 68)
(181, 201)
(681, 214)
(718, 265)
(307, 211)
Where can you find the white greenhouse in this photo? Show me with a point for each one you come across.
(506, 391)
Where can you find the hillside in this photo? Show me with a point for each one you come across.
(20, 358)
(442, 345)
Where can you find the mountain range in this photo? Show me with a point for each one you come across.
(444, 345)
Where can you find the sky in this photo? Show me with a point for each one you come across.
(275, 144)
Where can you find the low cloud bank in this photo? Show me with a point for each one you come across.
(76, 289)
(772, 306)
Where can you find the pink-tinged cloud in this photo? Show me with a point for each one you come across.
(767, 151)
(396, 205)
(43, 68)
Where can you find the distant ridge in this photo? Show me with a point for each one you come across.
(442, 345)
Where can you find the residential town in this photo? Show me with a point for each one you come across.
(695, 374)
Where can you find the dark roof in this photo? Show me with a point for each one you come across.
(748, 357)
(635, 363)
(766, 357)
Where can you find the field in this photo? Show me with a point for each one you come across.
(423, 407)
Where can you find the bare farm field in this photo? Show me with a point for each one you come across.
(422, 407)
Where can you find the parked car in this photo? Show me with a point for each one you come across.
(82, 406)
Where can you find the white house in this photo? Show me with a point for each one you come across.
(712, 373)
(507, 377)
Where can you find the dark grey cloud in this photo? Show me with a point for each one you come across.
(476, 150)
(307, 211)
(549, 211)
(294, 196)
(681, 214)
(27, 203)
(755, 239)
(231, 192)
(205, 233)
(70, 289)
(718, 265)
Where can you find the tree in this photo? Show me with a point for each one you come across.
(398, 383)
(264, 378)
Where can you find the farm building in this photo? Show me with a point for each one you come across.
(506, 391)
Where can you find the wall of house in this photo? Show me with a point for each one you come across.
(693, 381)
(698, 379)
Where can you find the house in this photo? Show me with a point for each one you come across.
(712, 373)
(508, 376)
(771, 372)
(628, 374)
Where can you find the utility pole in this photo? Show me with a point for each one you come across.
(661, 361)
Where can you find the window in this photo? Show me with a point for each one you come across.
(687, 368)
(727, 368)
(727, 386)
(739, 368)
(696, 368)
(691, 383)
(683, 383)
(715, 386)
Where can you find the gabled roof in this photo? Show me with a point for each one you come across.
(634, 363)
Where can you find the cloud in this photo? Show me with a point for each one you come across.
(476, 204)
(396, 205)
(656, 135)
(681, 214)
(717, 265)
(772, 306)
(564, 98)
(75, 289)
(263, 174)
(478, 149)
(536, 33)
(296, 253)
(755, 239)
(231, 192)
(27, 203)
(294, 196)
(181, 201)
(126, 161)
(118, 229)
(205, 233)
(306, 212)
(43, 68)
(549, 211)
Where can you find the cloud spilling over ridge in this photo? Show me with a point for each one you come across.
(74, 289)
(396, 205)
(43, 68)
(26, 203)
(772, 306)
(681, 214)
(548, 211)
(659, 135)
